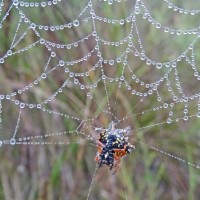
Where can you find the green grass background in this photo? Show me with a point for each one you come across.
(62, 172)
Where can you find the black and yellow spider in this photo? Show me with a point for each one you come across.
(112, 146)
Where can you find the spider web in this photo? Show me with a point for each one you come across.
(104, 61)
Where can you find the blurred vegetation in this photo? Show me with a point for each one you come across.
(49, 172)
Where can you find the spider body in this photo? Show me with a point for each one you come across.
(112, 146)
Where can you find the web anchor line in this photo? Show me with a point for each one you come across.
(169, 154)
(175, 157)
(92, 181)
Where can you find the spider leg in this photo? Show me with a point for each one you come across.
(119, 153)
(127, 130)
(111, 126)
(97, 158)
(100, 144)
(99, 129)
(100, 163)
(111, 161)
(116, 166)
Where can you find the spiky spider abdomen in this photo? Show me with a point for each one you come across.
(112, 146)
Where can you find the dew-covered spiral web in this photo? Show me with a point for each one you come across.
(68, 67)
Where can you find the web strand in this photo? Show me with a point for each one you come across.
(64, 72)
(92, 182)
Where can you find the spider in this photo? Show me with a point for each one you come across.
(112, 146)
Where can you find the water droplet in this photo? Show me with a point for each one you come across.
(158, 25)
(145, 15)
(110, 2)
(167, 64)
(185, 111)
(148, 62)
(133, 18)
(22, 105)
(172, 104)
(71, 74)
(175, 98)
(38, 106)
(121, 22)
(173, 64)
(43, 4)
(53, 54)
(133, 91)
(55, 1)
(122, 78)
(175, 8)
(147, 85)
(137, 11)
(82, 87)
(12, 141)
(1, 60)
(76, 81)
(172, 31)
(17, 102)
(94, 33)
(133, 76)
(150, 92)
(158, 65)
(76, 44)
(169, 121)
(170, 5)
(61, 63)
(44, 75)
(159, 99)
(178, 32)
(185, 118)
(192, 12)
(165, 105)
(42, 41)
(31, 106)
(137, 53)
(15, 2)
(7, 96)
(177, 119)
(21, 3)
(9, 52)
(166, 29)
(76, 22)
(111, 62)
(52, 28)
(118, 60)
